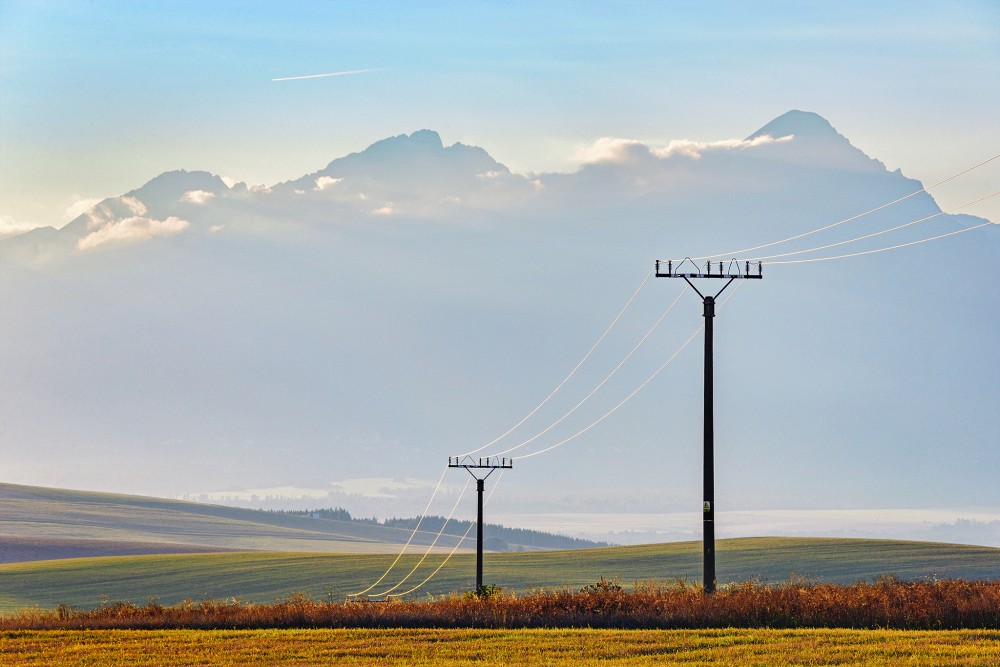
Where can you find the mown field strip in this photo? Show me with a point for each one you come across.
(578, 648)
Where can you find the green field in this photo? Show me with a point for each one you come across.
(44, 531)
(574, 648)
(264, 577)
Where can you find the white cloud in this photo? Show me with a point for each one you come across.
(135, 228)
(323, 182)
(197, 196)
(386, 209)
(490, 175)
(300, 192)
(613, 149)
(216, 228)
(610, 149)
(10, 226)
(230, 182)
(134, 205)
(695, 149)
(79, 207)
(98, 216)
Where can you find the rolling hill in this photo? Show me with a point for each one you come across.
(82, 548)
(44, 524)
(41, 523)
(264, 577)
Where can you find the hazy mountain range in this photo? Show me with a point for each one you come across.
(415, 300)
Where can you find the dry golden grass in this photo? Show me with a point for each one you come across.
(443, 648)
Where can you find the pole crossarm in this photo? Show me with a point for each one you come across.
(490, 463)
(686, 268)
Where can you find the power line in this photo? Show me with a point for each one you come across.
(581, 432)
(571, 373)
(634, 392)
(412, 535)
(455, 548)
(563, 442)
(429, 548)
(509, 431)
(846, 220)
(599, 385)
(871, 252)
(884, 231)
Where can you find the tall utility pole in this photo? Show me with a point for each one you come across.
(688, 270)
(488, 463)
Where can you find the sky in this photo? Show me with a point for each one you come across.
(96, 98)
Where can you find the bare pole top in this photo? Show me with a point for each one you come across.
(687, 268)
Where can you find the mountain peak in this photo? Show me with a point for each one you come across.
(408, 162)
(419, 141)
(802, 124)
(172, 184)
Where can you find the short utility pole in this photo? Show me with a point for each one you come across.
(688, 270)
(488, 463)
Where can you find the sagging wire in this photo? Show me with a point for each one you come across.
(600, 384)
(455, 548)
(432, 545)
(868, 236)
(412, 535)
(586, 356)
(894, 247)
(571, 373)
(852, 218)
(637, 389)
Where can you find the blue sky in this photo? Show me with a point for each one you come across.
(99, 97)
(253, 386)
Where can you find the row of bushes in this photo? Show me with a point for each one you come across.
(890, 603)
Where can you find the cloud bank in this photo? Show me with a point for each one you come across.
(613, 149)
(136, 228)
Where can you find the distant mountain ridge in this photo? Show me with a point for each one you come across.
(416, 299)
(416, 176)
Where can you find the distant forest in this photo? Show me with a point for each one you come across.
(496, 537)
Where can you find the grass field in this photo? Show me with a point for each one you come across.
(264, 577)
(575, 648)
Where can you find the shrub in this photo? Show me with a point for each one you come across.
(888, 603)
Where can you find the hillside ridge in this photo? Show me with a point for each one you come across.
(42, 523)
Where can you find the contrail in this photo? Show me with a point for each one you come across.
(319, 76)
